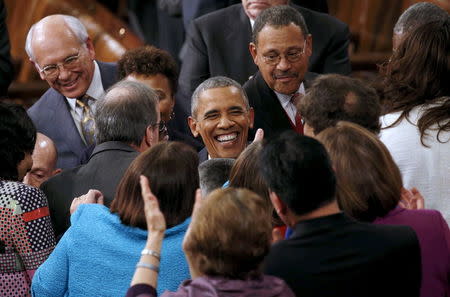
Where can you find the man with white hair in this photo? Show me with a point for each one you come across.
(415, 16)
(44, 158)
(63, 54)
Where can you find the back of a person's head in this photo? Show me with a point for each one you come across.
(171, 168)
(334, 97)
(229, 235)
(297, 168)
(418, 71)
(245, 172)
(368, 180)
(214, 173)
(124, 113)
(417, 15)
(17, 137)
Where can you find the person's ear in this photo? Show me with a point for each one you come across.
(309, 44)
(90, 47)
(56, 171)
(253, 52)
(193, 126)
(251, 116)
(278, 204)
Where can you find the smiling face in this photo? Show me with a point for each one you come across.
(284, 77)
(52, 44)
(254, 7)
(222, 120)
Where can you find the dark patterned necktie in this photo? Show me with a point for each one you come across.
(295, 99)
(87, 119)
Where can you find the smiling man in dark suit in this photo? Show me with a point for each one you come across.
(217, 44)
(63, 54)
(281, 48)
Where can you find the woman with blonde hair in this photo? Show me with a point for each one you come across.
(369, 187)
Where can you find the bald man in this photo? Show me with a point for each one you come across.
(44, 162)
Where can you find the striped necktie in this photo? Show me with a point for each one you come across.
(295, 99)
(87, 119)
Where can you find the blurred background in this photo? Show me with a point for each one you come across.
(118, 25)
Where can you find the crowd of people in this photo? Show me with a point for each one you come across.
(261, 168)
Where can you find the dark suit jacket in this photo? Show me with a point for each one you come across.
(217, 44)
(103, 172)
(6, 67)
(269, 114)
(336, 256)
(51, 116)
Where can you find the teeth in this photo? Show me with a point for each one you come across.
(227, 137)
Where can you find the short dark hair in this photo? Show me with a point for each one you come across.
(297, 168)
(229, 235)
(124, 113)
(171, 168)
(214, 173)
(369, 182)
(149, 60)
(334, 97)
(278, 16)
(18, 136)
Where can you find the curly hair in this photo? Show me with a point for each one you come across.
(149, 60)
(417, 74)
(17, 137)
(333, 98)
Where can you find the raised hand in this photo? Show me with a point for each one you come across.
(153, 215)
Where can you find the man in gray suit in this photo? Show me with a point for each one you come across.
(63, 54)
(127, 122)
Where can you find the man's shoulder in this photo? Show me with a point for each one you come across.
(47, 100)
(220, 15)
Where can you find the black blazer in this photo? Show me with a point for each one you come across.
(51, 116)
(337, 256)
(217, 44)
(269, 114)
(103, 172)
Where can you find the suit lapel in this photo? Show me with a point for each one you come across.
(272, 113)
(61, 114)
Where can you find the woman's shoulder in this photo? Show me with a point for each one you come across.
(88, 212)
(28, 197)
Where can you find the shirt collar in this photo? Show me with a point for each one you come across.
(286, 99)
(95, 89)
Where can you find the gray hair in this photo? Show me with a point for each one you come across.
(124, 113)
(278, 16)
(213, 83)
(214, 173)
(71, 22)
(417, 15)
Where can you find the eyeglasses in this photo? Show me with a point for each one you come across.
(292, 56)
(52, 71)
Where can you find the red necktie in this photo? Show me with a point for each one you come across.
(295, 99)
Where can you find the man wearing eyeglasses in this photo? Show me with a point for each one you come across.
(63, 54)
(281, 49)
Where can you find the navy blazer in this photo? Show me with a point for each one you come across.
(51, 116)
(269, 114)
